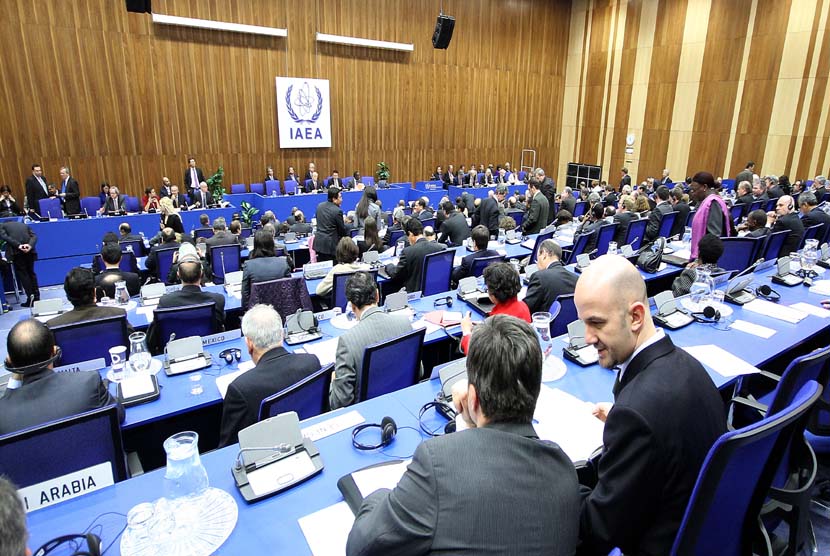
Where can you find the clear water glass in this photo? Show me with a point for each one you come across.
(612, 247)
(140, 358)
(809, 255)
(185, 475)
(541, 323)
(701, 290)
(687, 235)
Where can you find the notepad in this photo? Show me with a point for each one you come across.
(811, 310)
(775, 311)
(327, 531)
(752, 328)
(325, 350)
(568, 421)
(721, 361)
(222, 382)
(379, 476)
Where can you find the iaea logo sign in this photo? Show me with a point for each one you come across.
(303, 113)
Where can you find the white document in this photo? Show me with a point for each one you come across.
(222, 382)
(821, 287)
(452, 316)
(773, 310)
(331, 426)
(381, 476)
(568, 421)
(456, 261)
(811, 309)
(752, 328)
(325, 350)
(421, 323)
(720, 360)
(326, 531)
(137, 385)
(147, 311)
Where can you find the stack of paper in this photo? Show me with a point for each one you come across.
(720, 360)
(327, 531)
(568, 421)
(222, 382)
(325, 350)
(821, 287)
(773, 310)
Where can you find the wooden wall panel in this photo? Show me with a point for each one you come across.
(118, 98)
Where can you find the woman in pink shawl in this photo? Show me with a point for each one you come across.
(712, 215)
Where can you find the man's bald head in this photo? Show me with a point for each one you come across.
(611, 299)
(29, 342)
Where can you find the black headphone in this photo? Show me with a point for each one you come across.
(767, 293)
(708, 315)
(93, 545)
(442, 301)
(443, 408)
(34, 367)
(230, 354)
(388, 430)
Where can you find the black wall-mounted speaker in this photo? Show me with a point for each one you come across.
(443, 31)
(139, 6)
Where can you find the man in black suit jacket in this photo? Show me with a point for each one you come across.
(166, 189)
(69, 192)
(20, 250)
(275, 370)
(486, 470)
(746, 173)
(193, 176)
(330, 226)
(655, 218)
(116, 203)
(551, 280)
(312, 169)
(8, 204)
(221, 235)
(168, 240)
(410, 265)
(335, 180)
(44, 395)
(665, 180)
(190, 273)
(819, 187)
(79, 286)
(454, 228)
(480, 237)
(785, 218)
(810, 213)
(201, 198)
(625, 215)
(125, 232)
(111, 255)
(179, 200)
(548, 189)
(744, 195)
(682, 209)
(648, 467)
(625, 179)
(313, 184)
(489, 210)
(36, 189)
(537, 210)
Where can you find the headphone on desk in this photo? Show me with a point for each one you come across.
(708, 315)
(388, 430)
(93, 545)
(443, 301)
(767, 293)
(230, 354)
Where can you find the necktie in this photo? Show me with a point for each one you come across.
(617, 383)
(204, 201)
(115, 204)
(43, 185)
(63, 189)
(194, 179)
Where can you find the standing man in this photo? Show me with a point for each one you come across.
(373, 325)
(746, 173)
(21, 252)
(537, 209)
(193, 176)
(647, 470)
(625, 179)
(330, 226)
(70, 192)
(489, 210)
(682, 209)
(519, 495)
(36, 189)
(548, 189)
(275, 370)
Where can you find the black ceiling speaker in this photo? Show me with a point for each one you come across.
(443, 31)
(139, 6)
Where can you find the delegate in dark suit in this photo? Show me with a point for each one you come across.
(666, 415)
(36, 189)
(746, 201)
(623, 219)
(276, 370)
(488, 215)
(547, 284)
(537, 214)
(454, 229)
(792, 223)
(8, 207)
(193, 295)
(682, 210)
(492, 490)
(222, 237)
(202, 199)
(466, 266)
(816, 216)
(655, 218)
(152, 257)
(188, 178)
(106, 281)
(115, 206)
(410, 265)
(179, 201)
(262, 269)
(72, 197)
(568, 204)
(743, 175)
(86, 313)
(17, 234)
(46, 396)
(548, 189)
(330, 228)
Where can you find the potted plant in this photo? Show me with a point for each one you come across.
(382, 174)
(248, 212)
(215, 186)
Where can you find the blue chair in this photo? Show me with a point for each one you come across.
(736, 212)
(728, 184)
(722, 514)
(224, 259)
(522, 175)
(237, 188)
(50, 208)
(75, 338)
(477, 269)
(391, 365)
(165, 262)
(635, 233)
(517, 215)
(202, 233)
(437, 271)
(89, 205)
(580, 208)
(258, 188)
(394, 236)
(136, 246)
(755, 205)
(290, 187)
(774, 243)
(739, 252)
(690, 218)
(771, 205)
(131, 204)
(604, 237)
(428, 222)
(128, 263)
(539, 239)
(192, 320)
(272, 187)
(566, 315)
(666, 224)
(245, 232)
(815, 231)
(309, 397)
(367, 180)
(286, 295)
(64, 446)
(580, 244)
(338, 288)
(307, 185)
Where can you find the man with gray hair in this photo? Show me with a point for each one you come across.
(567, 201)
(551, 280)
(275, 370)
(773, 190)
(13, 533)
(811, 214)
(548, 189)
(221, 235)
(820, 187)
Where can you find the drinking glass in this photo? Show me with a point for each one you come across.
(140, 358)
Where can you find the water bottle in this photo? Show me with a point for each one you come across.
(122, 296)
(809, 256)
(701, 290)
(687, 235)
